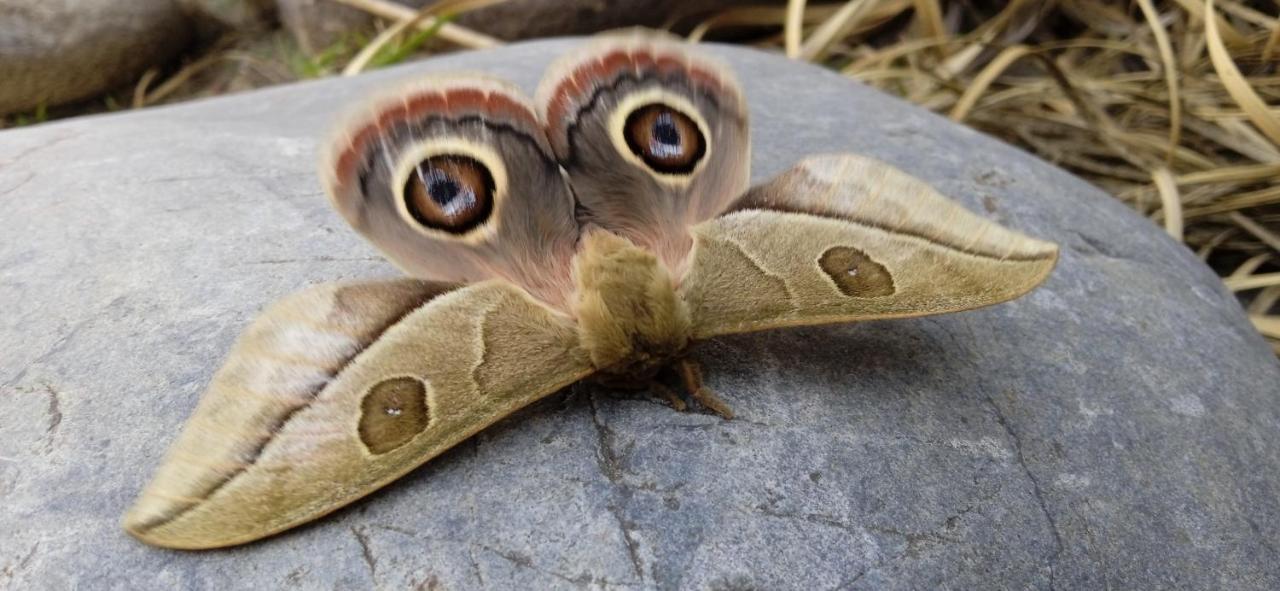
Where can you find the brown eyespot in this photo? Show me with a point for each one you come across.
(450, 193)
(665, 139)
(392, 413)
(855, 274)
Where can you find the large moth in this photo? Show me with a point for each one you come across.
(595, 231)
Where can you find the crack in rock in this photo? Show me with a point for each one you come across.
(318, 259)
(1016, 440)
(611, 468)
(367, 553)
(430, 583)
(521, 561)
(20, 184)
(12, 570)
(475, 565)
(915, 543)
(1036, 490)
(851, 582)
(1089, 246)
(10, 161)
(814, 518)
(606, 455)
(1100, 558)
(55, 417)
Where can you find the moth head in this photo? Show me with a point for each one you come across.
(663, 133)
(450, 188)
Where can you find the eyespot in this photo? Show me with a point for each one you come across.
(856, 274)
(667, 140)
(393, 412)
(450, 192)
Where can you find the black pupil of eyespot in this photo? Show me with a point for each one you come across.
(665, 130)
(444, 191)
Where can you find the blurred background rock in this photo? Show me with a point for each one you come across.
(1169, 105)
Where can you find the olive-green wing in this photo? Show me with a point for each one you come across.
(338, 390)
(843, 238)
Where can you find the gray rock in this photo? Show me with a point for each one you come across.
(1116, 428)
(58, 51)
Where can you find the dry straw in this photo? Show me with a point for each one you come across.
(1172, 112)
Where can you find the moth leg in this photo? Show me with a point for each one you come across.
(692, 377)
(669, 395)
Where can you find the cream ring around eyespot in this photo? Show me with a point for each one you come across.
(452, 146)
(649, 96)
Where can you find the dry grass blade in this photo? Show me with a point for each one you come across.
(1252, 227)
(844, 19)
(426, 17)
(1265, 300)
(140, 89)
(929, 15)
(983, 80)
(142, 97)
(1273, 40)
(1228, 32)
(1246, 14)
(1170, 201)
(1170, 66)
(449, 32)
(1268, 196)
(1252, 281)
(755, 16)
(1251, 172)
(793, 28)
(1249, 267)
(1267, 325)
(1234, 81)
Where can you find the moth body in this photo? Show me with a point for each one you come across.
(631, 321)
(595, 233)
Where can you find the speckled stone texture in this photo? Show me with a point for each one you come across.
(1119, 427)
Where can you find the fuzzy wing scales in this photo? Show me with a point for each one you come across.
(339, 390)
(844, 238)
(452, 177)
(599, 105)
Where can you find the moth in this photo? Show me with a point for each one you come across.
(595, 231)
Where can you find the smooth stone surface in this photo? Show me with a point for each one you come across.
(1116, 428)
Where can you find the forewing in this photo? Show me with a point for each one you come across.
(452, 177)
(843, 238)
(338, 390)
(653, 136)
